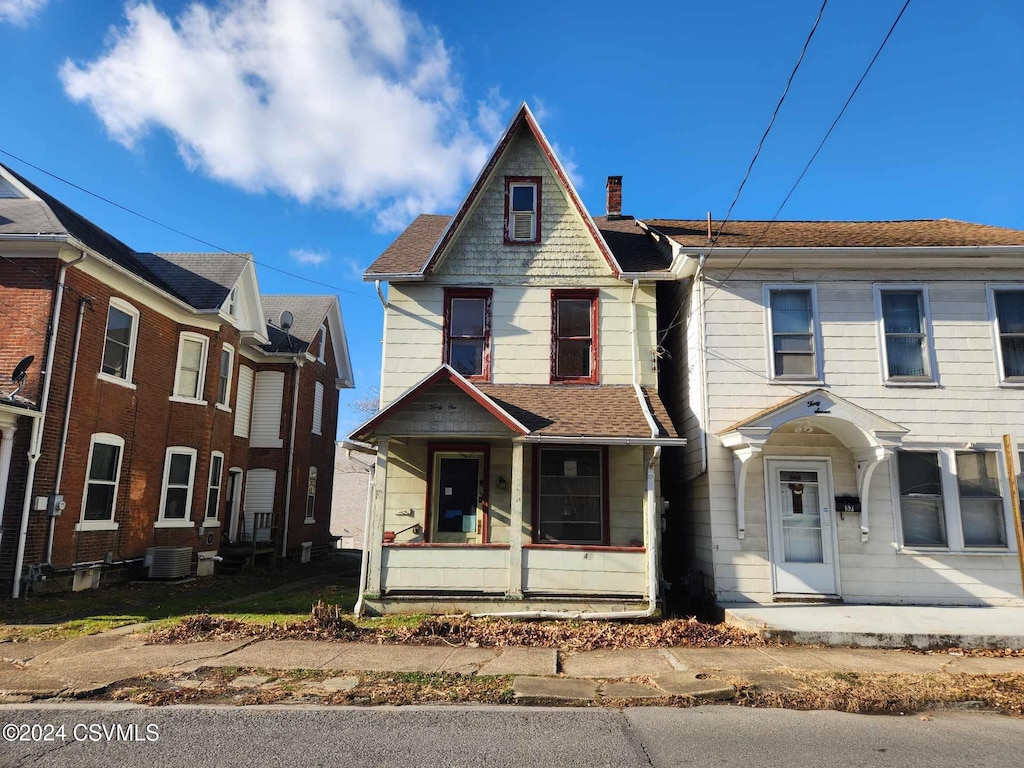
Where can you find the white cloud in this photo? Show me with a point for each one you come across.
(352, 103)
(20, 11)
(309, 258)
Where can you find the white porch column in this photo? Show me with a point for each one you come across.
(515, 530)
(741, 465)
(374, 535)
(6, 450)
(868, 461)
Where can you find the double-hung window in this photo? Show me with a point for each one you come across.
(213, 490)
(794, 340)
(574, 338)
(1008, 307)
(905, 324)
(311, 496)
(102, 475)
(119, 342)
(571, 496)
(522, 209)
(227, 367)
(952, 499)
(467, 331)
(318, 408)
(176, 494)
(190, 374)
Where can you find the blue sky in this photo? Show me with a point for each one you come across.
(309, 131)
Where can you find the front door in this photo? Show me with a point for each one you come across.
(458, 497)
(803, 550)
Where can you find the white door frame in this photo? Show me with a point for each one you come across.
(236, 502)
(830, 548)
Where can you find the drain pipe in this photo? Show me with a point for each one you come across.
(36, 438)
(291, 460)
(650, 516)
(364, 567)
(82, 303)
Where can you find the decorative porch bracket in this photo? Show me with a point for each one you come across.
(741, 465)
(868, 460)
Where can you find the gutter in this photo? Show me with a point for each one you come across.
(62, 450)
(291, 460)
(36, 438)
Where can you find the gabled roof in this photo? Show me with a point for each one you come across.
(837, 234)
(201, 280)
(309, 312)
(444, 373)
(634, 247)
(399, 260)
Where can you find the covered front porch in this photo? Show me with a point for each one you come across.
(482, 503)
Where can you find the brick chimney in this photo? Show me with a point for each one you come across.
(614, 204)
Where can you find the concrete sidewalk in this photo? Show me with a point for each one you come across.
(79, 667)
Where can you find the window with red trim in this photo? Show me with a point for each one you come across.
(467, 331)
(522, 209)
(574, 343)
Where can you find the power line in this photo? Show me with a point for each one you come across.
(800, 178)
(168, 227)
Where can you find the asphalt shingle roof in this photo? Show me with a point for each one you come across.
(201, 280)
(410, 250)
(634, 248)
(308, 312)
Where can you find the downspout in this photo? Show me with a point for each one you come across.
(86, 300)
(365, 566)
(291, 459)
(651, 514)
(698, 284)
(36, 438)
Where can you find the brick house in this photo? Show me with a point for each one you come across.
(165, 406)
(518, 441)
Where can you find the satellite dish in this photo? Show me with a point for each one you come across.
(287, 320)
(21, 369)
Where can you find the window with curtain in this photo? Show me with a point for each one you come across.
(981, 500)
(921, 508)
(906, 338)
(1010, 321)
(793, 354)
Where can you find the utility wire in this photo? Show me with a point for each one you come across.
(178, 231)
(800, 178)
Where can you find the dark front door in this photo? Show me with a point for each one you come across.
(458, 494)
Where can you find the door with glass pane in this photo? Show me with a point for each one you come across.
(458, 498)
(803, 551)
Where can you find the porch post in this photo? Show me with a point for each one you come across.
(741, 465)
(868, 461)
(374, 536)
(515, 531)
(6, 449)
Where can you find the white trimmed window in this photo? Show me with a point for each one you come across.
(243, 401)
(1007, 308)
(231, 305)
(176, 494)
(213, 490)
(102, 477)
(952, 499)
(522, 209)
(227, 367)
(905, 334)
(311, 496)
(794, 336)
(189, 376)
(120, 342)
(321, 351)
(318, 408)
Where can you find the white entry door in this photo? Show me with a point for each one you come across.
(804, 556)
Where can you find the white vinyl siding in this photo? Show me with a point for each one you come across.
(243, 404)
(318, 408)
(258, 506)
(267, 399)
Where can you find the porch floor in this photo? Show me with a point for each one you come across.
(882, 626)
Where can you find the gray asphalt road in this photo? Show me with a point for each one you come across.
(493, 737)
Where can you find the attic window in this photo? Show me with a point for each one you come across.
(522, 209)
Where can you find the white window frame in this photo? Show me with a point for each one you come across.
(128, 309)
(951, 499)
(512, 186)
(175, 522)
(932, 380)
(214, 482)
(231, 305)
(991, 290)
(323, 344)
(311, 481)
(104, 438)
(226, 405)
(318, 399)
(816, 338)
(201, 378)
